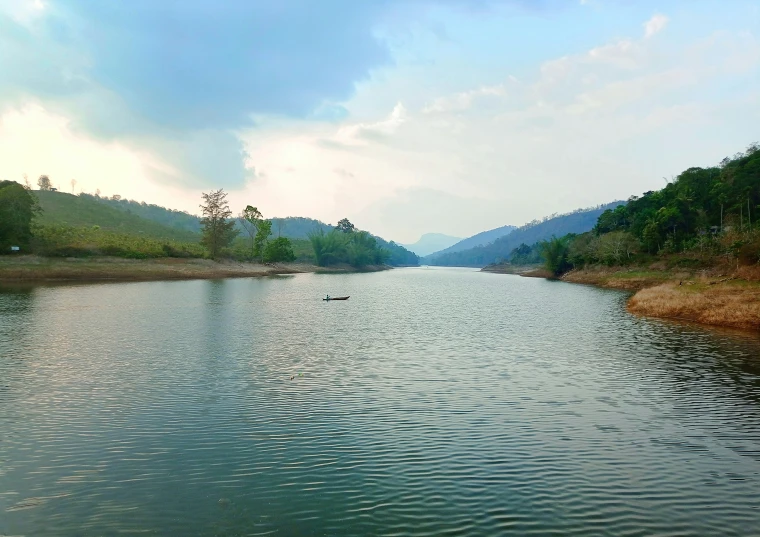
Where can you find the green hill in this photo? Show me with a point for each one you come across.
(59, 208)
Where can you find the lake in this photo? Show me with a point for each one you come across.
(433, 402)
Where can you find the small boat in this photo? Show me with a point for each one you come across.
(337, 298)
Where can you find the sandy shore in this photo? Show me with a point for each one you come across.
(41, 269)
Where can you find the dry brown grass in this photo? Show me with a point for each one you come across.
(617, 277)
(732, 304)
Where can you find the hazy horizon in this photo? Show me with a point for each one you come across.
(433, 116)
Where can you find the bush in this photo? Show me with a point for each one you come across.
(279, 249)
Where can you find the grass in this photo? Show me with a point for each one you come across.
(722, 295)
(732, 304)
(59, 208)
(67, 241)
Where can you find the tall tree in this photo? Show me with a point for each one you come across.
(345, 226)
(264, 229)
(217, 231)
(44, 182)
(249, 219)
(18, 207)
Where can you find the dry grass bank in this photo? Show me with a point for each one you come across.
(734, 303)
(721, 295)
(34, 268)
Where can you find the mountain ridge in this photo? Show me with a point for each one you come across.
(430, 243)
(578, 221)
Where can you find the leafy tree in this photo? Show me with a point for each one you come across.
(345, 226)
(263, 230)
(329, 248)
(555, 252)
(44, 182)
(218, 231)
(249, 219)
(280, 249)
(18, 207)
(617, 247)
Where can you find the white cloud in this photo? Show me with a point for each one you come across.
(464, 100)
(23, 12)
(655, 25)
(573, 131)
(34, 141)
(361, 133)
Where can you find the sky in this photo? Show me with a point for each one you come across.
(405, 116)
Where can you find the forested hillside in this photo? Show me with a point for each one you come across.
(59, 208)
(500, 249)
(705, 217)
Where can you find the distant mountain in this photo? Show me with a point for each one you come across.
(431, 242)
(578, 221)
(481, 239)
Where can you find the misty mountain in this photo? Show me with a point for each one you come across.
(578, 221)
(481, 239)
(431, 242)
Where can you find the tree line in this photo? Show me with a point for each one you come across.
(703, 216)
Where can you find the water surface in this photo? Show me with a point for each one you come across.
(433, 402)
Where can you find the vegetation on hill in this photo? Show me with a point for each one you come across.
(347, 245)
(65, 225)
(168, 217)
(558, 225)
(705, 217)
(61, 209)
(67, 241)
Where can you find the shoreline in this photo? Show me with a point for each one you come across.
(718, 296)
(36, 269)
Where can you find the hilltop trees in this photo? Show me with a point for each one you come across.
(44, 182)
(345, 226)
(702, 216)
(217, 229)
(18, 207)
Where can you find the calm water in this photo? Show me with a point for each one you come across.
(433, 402)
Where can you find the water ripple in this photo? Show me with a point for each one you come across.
(434, 402)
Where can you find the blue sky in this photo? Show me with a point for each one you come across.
(407, 116)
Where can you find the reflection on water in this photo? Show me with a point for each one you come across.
(433, 402)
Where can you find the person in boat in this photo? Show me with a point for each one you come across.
(328, 297)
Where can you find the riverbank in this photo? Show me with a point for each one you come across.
(42, 269)
(719, 296)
